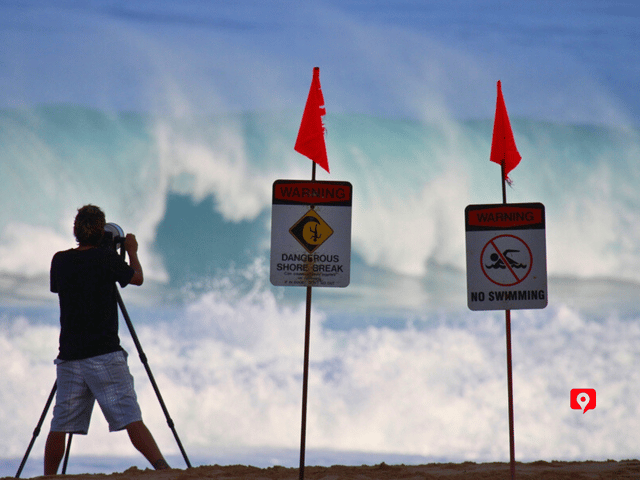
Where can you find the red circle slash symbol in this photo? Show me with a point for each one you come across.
(506, 260)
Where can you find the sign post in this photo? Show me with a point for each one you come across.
(311, 228)
(506, 253)
(506, 268)
(310, 247)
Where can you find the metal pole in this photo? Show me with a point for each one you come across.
(507, 313)
(305, 373)
(504, 182)
(36, 431)
(305, 382)
(512, 446)
(66, 455)
(143, 358)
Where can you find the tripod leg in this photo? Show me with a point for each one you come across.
(36, 432)
(143, 358)
(66, 455)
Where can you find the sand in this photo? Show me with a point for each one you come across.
(626, 469)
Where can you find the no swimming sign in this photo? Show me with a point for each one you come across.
(506, 256)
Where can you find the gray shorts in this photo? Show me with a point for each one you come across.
(105, 378)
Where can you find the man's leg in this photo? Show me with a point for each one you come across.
(71, 413)
(111, 382)
(142, 439)
(53, 452)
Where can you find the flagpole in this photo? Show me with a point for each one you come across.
(504, 182)
(503, 150)
(305, 374)
(512, 447)
(507, 314)
(305, 383)
(310, 143)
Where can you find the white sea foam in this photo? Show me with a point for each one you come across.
(229, 366)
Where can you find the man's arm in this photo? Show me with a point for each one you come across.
(53, 278)
(131, 247)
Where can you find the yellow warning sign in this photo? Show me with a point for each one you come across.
(311, 231)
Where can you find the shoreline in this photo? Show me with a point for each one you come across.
(538, 470)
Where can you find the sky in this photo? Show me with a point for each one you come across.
(567, 60)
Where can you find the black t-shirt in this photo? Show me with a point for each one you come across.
(85, 281)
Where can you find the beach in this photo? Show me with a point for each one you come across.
(450, 471)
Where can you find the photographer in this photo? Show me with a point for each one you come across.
(91, 364)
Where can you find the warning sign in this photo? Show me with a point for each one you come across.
(506, 256)
(311, 233)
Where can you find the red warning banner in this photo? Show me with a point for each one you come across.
(505, 216)
(312, 192)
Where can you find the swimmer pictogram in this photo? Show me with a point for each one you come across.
(499, 262)
(506, 260)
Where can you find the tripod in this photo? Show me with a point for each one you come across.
(143, 359)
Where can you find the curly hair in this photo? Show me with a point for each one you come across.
(88, 226)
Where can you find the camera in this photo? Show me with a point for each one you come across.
(113, 238)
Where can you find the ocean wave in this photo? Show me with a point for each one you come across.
(411, 182)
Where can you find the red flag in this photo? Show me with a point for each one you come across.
(503, 145)
(310, 141)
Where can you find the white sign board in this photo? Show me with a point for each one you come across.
(506, 256)
(311, 233)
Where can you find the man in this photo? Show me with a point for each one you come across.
(91, 364)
